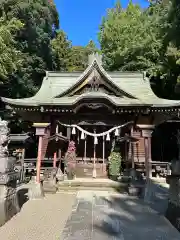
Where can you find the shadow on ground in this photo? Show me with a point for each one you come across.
(22, 196)
(159, 199)
(131, 219)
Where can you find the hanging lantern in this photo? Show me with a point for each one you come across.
(108, 137)
(82, 135)
(95, 140)
(117, 132)
(73, 131)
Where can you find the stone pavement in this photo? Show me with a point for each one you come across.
(88, 215)
(103, 216)
(159, 197)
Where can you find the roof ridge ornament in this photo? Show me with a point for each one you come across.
(95, 57)
(95, 81)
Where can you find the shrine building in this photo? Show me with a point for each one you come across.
(95, 108)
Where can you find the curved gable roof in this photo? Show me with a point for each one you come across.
(84, 76)
(58, 88)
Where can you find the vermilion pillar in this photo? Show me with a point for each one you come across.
(39, 159)
(55, 160)
(55, 153)
(41, 131)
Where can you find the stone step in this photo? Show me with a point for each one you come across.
(75, 189)
(94, 184)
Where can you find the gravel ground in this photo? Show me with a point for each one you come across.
(42, 219)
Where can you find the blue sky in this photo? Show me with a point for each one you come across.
(80, 19)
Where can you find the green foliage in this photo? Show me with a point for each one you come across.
(130, 39)
(40, 20)
(136, 39)
(61, 48)
(172, 46)
(71, 58)
(79, 56)
(10, 57)
(114, 163)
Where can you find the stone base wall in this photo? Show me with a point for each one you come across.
(9, 205)
(173, 214)
(173, 210)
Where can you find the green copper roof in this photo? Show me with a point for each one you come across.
(132, 89)
(21, 138)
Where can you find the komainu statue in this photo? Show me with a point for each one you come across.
(4, 131)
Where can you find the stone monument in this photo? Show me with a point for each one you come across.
(8, 177)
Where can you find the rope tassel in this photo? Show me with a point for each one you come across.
(108, 137)
(82, 135)
(95, 140)
(74, 131)
(117, 132)
(94, 134)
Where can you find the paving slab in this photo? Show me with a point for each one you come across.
(88, 215)
(104, 215)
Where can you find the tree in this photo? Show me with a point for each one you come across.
(133, 39)
(130, 39)
(70, 58)
(79, 56)
(172, 47)
(9, 57)
(40, 20)
(61, 48)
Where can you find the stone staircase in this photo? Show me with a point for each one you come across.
(92, 184)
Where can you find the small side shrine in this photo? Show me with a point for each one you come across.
(93, 108)
(18, 143)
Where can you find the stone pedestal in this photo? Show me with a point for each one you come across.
(173, 211)
(50, 186)
(9, 205)
(134, 190)
(49, 183)
(60, 175)
(35, 191)
(148, 190)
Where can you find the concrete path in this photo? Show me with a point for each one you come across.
(86, 216)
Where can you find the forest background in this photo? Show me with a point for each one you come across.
(131, 39)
